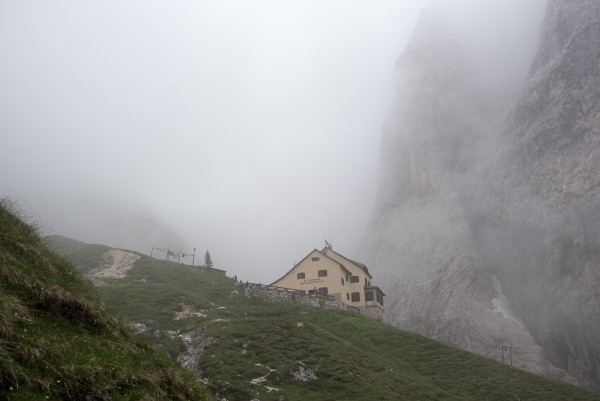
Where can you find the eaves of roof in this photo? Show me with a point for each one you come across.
(358, 264)
(374, 287)
(306, 257)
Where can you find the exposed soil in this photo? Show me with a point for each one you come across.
(115, 264)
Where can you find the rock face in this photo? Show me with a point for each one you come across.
(487, 227)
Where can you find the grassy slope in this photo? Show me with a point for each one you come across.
(68, 246)
(84, 256)
(57, 341)
(354, 358)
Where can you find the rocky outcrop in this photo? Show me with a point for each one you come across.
(303, 374)
(487, 232)
(545, 245)
(195, 342)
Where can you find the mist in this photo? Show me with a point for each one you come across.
(497, 40)
(485, 226)
(250, 129)
(458, 78)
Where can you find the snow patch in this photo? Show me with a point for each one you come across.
(502, 304)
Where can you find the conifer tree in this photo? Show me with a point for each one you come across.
(207, 261)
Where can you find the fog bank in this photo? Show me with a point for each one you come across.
(246, 128)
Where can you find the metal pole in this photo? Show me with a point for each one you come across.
(509, 349)
(193, 256)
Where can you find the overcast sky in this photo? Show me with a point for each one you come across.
(248, 128)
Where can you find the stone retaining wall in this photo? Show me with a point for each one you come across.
(272, 295)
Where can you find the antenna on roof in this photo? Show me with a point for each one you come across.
(328, 244)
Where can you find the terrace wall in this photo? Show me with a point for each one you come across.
(278, 294)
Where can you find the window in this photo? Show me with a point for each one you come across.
(322, 273)
(380, 299)
(342, 280)
(300, 275)
(354, 279)
(366, 282)
(347, 297)
(323, 290)
(315, 258)
(355, 296)
(368, 296)
(310, 292)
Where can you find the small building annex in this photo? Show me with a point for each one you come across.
(328, 273)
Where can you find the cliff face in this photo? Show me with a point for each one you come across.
(487, 228)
